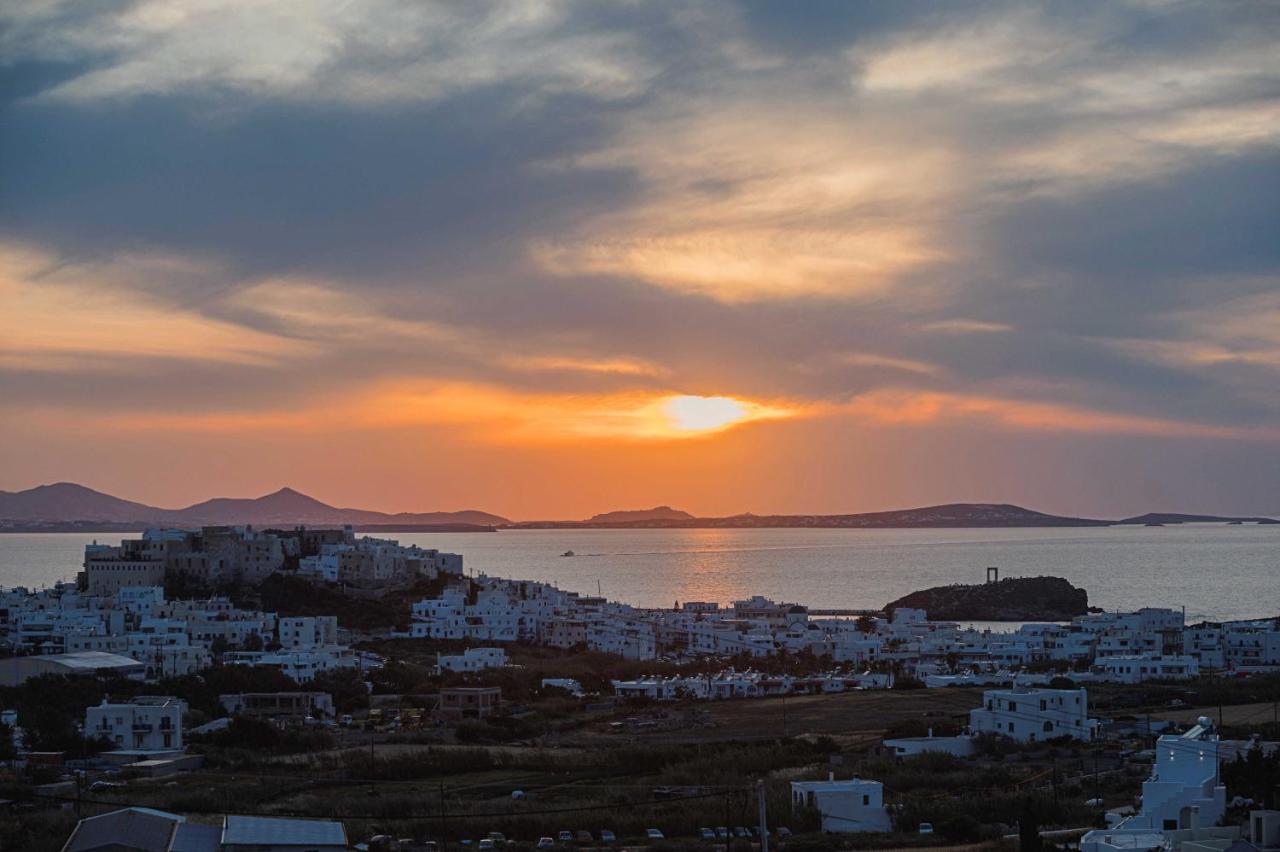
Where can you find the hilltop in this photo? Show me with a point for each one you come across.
(658, 513)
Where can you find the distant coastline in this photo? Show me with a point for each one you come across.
(68, 507)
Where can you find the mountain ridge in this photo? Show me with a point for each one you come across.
(68, 502)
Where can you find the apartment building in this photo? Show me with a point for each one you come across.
(1030, 714)
(147, 723)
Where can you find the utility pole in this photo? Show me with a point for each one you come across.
(444, 839)
(764, 816)
(728, 821)
(1097, 783)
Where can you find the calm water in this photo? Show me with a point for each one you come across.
(1217, 572)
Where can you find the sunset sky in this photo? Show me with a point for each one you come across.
(548, 259)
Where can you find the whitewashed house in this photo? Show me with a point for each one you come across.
(308, 631)
(960, 746)
(147, 723)
(1135, 668)
(845, 806)
(1184, 793)
(1030, 715)
(472, 660)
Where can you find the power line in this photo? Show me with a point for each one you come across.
(414, 816)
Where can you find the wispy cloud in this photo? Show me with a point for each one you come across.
(63, 314)
(325, 50)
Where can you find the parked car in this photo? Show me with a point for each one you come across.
(607, 836)
(741, 831)
(498, 838)
(546, 843)
(565, 836)
(584, 836)
(487, 845)
(722, 832)
(707, 834)
(783, 831)
(654, 834)
(925, 828)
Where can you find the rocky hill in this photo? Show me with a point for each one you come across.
(627, 516)
(1014, 599)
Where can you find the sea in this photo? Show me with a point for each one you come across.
(1216, 572)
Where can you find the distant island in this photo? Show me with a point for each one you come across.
(949, 515)
(658, 513)
(1167, 518)
(1013, 599)
(68, 507)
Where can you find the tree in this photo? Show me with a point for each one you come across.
(253, 642)
(345, 685)
(8, 751)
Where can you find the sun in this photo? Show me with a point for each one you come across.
(704, 413)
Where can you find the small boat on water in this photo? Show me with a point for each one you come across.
(568, 553)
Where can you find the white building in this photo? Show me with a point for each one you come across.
(300, 665)
(147, 723)
(1183, 793)
(1135, 668)
(568, 684)
(145, 828)
(845, 806)
(472, 660)
(960, 746)
(1028, 715)
(308, 631)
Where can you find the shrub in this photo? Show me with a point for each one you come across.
(961, 829)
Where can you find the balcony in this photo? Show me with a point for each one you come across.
(143, 727)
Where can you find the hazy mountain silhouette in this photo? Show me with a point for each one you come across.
(657, 513)
(69, 503)
(66, 502)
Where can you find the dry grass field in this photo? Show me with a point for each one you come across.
(850, 715)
